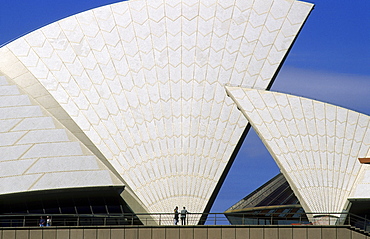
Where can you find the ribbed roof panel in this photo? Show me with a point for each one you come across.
(144, 83)
(316, 145)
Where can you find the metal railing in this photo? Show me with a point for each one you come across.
(26, 220)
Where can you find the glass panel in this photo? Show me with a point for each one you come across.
(67, 206)
(98, 205)
(113, 205)
(83, 206)
(51, 207)
(35, 207)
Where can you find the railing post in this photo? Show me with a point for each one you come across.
(365, 223)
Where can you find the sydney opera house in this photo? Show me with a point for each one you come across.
(142, 105)
(318, 148)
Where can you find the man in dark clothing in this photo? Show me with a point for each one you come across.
(183, 216)
(42, 222)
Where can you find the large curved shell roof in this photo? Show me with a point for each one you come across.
(141, 83)
(315, 144)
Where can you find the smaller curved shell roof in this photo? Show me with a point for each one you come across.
(315, 144)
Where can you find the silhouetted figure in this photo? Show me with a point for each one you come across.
(183, 216)
(176, 217)
(42, 222)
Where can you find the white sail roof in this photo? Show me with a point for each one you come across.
(315, 144)
(141, 83)
(37, 153)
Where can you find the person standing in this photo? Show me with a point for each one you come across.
(48, 221)
(176, 217)
(183, 216)
(42, 222)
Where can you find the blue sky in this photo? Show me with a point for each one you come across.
(330, 61)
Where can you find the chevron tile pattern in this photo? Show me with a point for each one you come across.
(143, 82)
(36, 153)
(315, 144)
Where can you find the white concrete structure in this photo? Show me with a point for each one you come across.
(315, 144)
(37, 153)
(141, 84)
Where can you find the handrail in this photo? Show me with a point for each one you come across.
(23, 220)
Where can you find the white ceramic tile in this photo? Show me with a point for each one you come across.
(20, 47)
(44, 136)
(69, 179)
(7, 139)
(326, 157)
(9, 90)
(53, 149)
(14, 100)
(106, 55)
(20, 112)
(17, 183)
(7, 125)
(15, 168)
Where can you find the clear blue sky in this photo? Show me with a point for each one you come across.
(330, 61)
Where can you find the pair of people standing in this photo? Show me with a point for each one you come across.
(42, 222)
(182, 215)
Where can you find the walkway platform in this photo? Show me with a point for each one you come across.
(186, 232)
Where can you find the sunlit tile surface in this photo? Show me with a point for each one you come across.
(37, 153)
(141, 84)
(315, 144)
